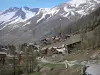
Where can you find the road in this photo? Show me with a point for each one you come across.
(93, 69)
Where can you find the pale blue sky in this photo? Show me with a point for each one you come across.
(4, 4)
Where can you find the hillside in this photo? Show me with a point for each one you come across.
(19, 25)
(85, 24)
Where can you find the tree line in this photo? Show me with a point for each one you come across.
(28, 60)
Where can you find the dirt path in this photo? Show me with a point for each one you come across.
(66, 63)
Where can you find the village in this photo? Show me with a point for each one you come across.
(46, 49)
(54, 50)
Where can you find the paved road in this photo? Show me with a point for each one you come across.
(93, 69)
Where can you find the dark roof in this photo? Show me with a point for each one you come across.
(73, 39)
(77, 38)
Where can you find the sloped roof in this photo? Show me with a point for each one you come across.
(72, 39)
(3, 53)
(5, 49)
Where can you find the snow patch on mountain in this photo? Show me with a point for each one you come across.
(6, 16)
(47, 11)
(29, 14)
(77, 2)
(26, 24)
(17, 20)
(3, 27)
(81, 12)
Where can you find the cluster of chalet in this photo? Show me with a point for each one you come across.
(68, 45)
(65, 48)
(54, 39)
(54, 50)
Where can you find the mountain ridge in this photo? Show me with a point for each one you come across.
(30, 24)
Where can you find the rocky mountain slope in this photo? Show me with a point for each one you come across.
(19, 25)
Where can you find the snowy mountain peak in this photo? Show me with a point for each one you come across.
(79, 2)
(26, 8)
(72, 7)
(12, 9)
(17, 14)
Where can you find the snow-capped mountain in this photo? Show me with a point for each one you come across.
(24, 24)
(15, 15)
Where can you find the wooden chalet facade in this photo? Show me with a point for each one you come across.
(3, 54)
(2, 57)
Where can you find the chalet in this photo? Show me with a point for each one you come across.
(61, 51)
(2, 57)
(3, 54)
(66, 36)
(44, 41)
(44, 51)
(4, 50)
(72, 43)
(52, 51)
